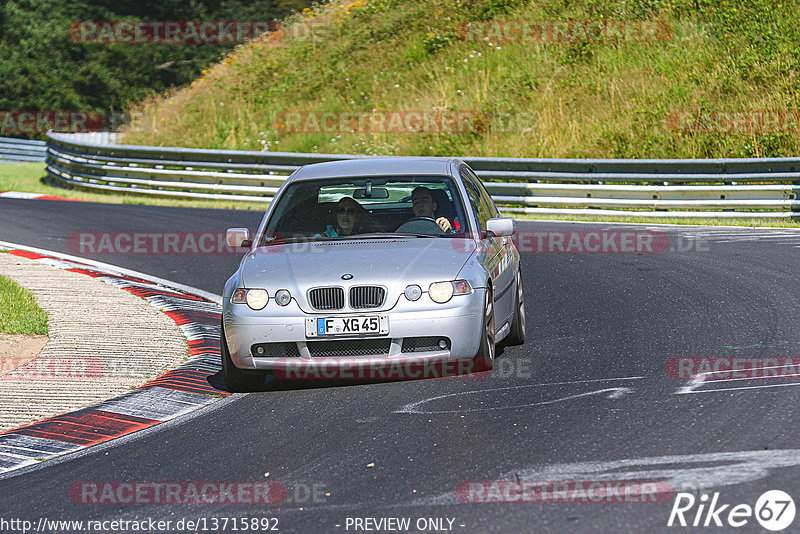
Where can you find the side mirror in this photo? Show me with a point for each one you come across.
(501, 226)
(238, 237)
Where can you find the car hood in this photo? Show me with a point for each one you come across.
(393, 263)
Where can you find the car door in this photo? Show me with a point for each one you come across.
(496, 252)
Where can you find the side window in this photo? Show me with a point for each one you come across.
(475, 194)
(485, 196)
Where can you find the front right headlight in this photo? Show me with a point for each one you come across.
(255, 298)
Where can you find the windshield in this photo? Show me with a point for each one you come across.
(363, 208)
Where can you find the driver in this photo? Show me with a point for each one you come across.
(422, 205)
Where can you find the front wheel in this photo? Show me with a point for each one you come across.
(484, 360)
(517, 334)
(237, 380)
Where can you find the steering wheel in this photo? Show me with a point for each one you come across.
(421, 225)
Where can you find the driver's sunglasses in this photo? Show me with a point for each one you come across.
(349, 211)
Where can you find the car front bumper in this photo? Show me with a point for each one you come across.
(458, 321)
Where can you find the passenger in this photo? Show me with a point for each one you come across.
(345, 217)
(423, 205)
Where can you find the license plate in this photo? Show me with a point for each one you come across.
(347, 326)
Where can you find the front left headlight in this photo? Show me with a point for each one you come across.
(442, 292)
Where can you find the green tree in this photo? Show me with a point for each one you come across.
(41, 68)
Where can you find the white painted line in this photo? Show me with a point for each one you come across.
(620, 392)
(9, 443)
(699, 380)
(10, 463)
(158, 404)
(123, 283)
(169, 303)
(17, 194)
(740, 388)
(732, 379)
(82, 452)
(691, 472)
(194, 331)
(113, 269)
(693, 384)
(615, 393)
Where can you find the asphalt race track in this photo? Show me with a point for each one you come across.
(592, 396)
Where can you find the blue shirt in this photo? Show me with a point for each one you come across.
(330, 231)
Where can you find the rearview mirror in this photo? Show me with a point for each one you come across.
(374, 192)
(501, 226)
(238, 237)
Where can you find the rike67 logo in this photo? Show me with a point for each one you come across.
(774, 510)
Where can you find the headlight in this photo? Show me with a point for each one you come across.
(257, 298)
(413, 292)
(239, 296)
(283, 297)
(442, 292)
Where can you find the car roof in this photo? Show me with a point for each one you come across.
(379, 166)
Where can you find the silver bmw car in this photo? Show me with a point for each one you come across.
(377, 268)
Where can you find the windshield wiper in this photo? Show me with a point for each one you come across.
(285, 240)
(383, 235)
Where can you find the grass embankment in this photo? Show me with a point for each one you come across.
(558, 99)
(28, 178)
(580, 98)
(19, 313)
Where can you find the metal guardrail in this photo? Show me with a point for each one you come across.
(21, 150)
(738, 187)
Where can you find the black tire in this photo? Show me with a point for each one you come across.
(237, 380)
(484, 360)
(517, 334)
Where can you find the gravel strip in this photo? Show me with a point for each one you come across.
(103, 342)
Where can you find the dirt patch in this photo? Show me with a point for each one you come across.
(17, 350)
